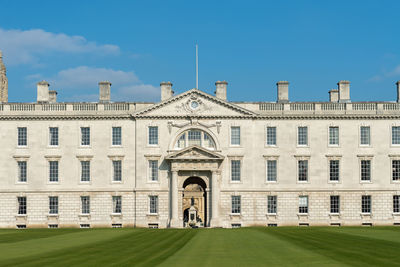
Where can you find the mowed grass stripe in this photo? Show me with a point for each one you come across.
(45, 246)
(11, 236)
(244, 247)
(143, 247)
(345, 248)
(388, 233)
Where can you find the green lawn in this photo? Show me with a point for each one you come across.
(284, 246)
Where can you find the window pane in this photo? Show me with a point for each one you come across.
(85, 136)
(153, 135)
(396, 204)
(153, 170)
(271, 170)
(21, 205)
(53, 136)
(335, 204)
(272, 204)
(85, 173)
(116, 136)
(364, 135)
(85, 204)
(117, 204)
(396, 170)
(303, 170)
(181, 143)
(194, 138)
(396, 135)
(236, 205)
(117, 167)
(334, 170)
(153, 204)
(22, 136)
(235, 135)
(303, 204)
(302, 136)
(53, 205)
(366, 204)
(271, 136)
(208, 142)
(365, 170)
(21, 171)
(235, 170)
(334, 135)
(53, 171)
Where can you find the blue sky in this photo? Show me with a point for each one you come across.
(250, 44)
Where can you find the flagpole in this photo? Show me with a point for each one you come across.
(197, 66)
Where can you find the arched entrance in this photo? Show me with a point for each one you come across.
(194, 202)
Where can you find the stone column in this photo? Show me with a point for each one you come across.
(174, 222)
(215, 222)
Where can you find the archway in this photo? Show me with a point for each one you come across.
(194, 201)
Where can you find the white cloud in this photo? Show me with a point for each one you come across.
(386, 74)
(126, 86)
(24, 47)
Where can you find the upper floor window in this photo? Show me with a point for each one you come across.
(335, 204)
(303, 204)
(396, 170)
(153, 135)
(22, 171)
(21, 205)
(85, 171)
(153, 170)
(334, 170)
(396, 135)
(302, 136)
(235, 170)
(365, 170)
(53, 134)
(271, 136)
(333, 135)
(53, 171)
(365, 135)
(235, 135)
(302, 170)
(236, 204)
(117, 170)
(85, 136)
(117, 204)
(195, 137)
(271, 170)
(22, 136)
(116, 136)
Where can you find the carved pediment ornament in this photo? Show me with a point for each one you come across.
(192, 105)
(193, 121)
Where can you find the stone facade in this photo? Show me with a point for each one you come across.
(197, 138)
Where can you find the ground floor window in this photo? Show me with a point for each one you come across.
(21, 205)
(303, 204)
(335, 204)
(117, 204)
(236, 204)
(53, 205)
(396, 204)
(272, 204)
(85, 201)
(366, 204)
(153, 204)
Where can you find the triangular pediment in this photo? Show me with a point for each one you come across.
(194, 103)
(194, 153)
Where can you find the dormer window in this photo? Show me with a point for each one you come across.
(195, 137)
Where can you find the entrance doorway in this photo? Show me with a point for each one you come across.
(194, 202)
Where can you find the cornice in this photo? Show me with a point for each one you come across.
(63, 117)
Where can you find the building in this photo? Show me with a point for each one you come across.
(198, 159)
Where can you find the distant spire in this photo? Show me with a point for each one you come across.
(3, 81)
(197, 66)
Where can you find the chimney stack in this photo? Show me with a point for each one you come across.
(398, 91)
(52, 96)
(334, 95)
(220, 91)
(104, 91)
(344, 91)
(43, 92)
(166, 90)
(283, 91)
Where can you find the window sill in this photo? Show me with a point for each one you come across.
(21, 183)
(116, 182)
(271, 215)
(153, 146)
(113, 215)
(271, 182)
(116, 146)
(396, 214)
(153, 182)
(302, 214)
(84, 215)
(49, 182)
(52, 147)
(303, 146)
(21, 215)
(52, 216)
(85, 182)
(366, 182)
(271, 146)
(334, 182)
(152, 215)
(85, 147)
(303, 182)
